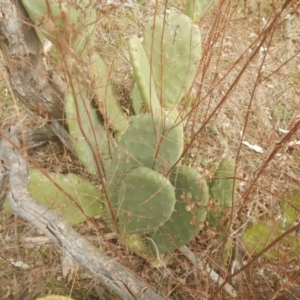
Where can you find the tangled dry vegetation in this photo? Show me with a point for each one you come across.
(247, 93)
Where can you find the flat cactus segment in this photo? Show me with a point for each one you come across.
(146, 201)
(137, 102)
(143, 76)
(175, 117)
(86, 197)
(257, 236)
(173, 47)
(150, 141)
(190, 210)
(105, 97)
(84, 122)
(197, 9)
(69, 21)
(290, 207)
(221, 189)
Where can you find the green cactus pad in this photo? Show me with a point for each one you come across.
(137, 102)
(73, 21)
(107, 102)
(146, 201)
(84, 122)
(221, 190)
(190, 210)
(143, 76)
(197, 9)
(290, 208)
(258, 236)
(86, 199)
(173, 47)
(150, 141)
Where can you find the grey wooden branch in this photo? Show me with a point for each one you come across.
(110, 273)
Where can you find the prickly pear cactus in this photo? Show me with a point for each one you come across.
(142, 198)
(190, 210)
(90, 138)
(197, 9)
(68, 22)
(173, 46)
(137, 102)
(105, 96)
(80, 200)
(150, 141)
(257, 236)
(221, 190)
(143, 75)
(290, 208)
(145, 202)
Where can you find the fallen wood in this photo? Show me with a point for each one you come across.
(107, 270)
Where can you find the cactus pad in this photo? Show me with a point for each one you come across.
(146, 201)
(197, 9)
(173, 47)
(221, 190)
(150, 141)
(143, 76)
(190, 210)
(64, 21)
(84, 122)
(106, 100)
(86, 199)
(137, 102)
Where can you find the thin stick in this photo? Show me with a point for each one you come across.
(211, 273)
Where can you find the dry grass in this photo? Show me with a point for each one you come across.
(241, 97)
